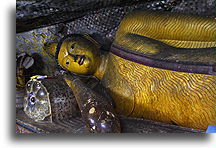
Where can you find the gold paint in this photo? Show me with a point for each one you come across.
(118, 87)
(186, 99)
(82, 47)
(102, 66)
(174, 29)
(20, 79)
(159, 50)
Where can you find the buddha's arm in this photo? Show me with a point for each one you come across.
(159, 50)
(178, 30)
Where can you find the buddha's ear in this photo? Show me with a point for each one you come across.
(50, 48)
(87, 36)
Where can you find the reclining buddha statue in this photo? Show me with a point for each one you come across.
(160, 67)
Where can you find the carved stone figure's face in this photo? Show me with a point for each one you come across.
(79, 55)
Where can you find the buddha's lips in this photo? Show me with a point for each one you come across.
(80, 60)
(189, 67)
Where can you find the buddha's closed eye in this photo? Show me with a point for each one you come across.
(72, 47)
(67, 62)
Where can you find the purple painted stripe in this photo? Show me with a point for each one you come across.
(190, 67)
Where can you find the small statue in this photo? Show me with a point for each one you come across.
(161, 66)
(23, 62)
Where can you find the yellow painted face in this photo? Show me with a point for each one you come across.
(79, 54)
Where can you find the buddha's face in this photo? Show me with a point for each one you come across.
(79, 55)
